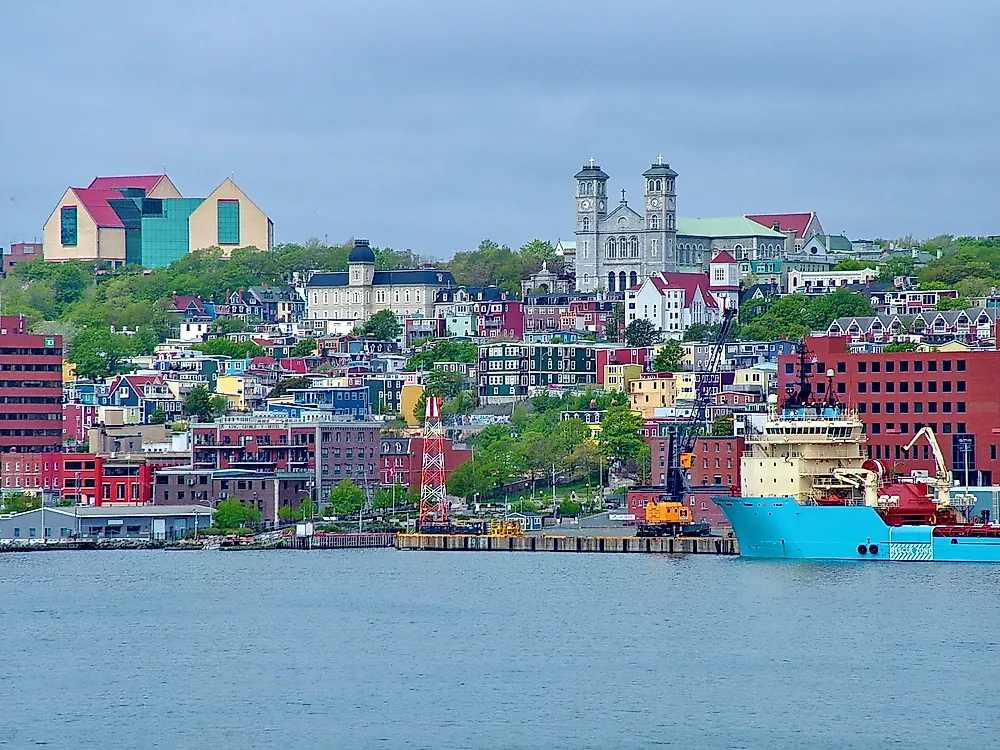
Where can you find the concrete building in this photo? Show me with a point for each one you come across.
(31, 412)
(361, 291)
(144, 220)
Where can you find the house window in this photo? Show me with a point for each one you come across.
(68, 225)
(229, 222)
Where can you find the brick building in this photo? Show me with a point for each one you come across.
(31, 415)
(402, 459)
(956, 393)
(714, 472)
(104, 480)
(21, 252)
(265, 442)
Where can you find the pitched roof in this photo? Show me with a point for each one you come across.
(689, 282)
(96, 203)
(724, 226)
(724, 257)
(147, 182)
(785, 222)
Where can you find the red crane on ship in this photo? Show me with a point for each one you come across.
(433, 505)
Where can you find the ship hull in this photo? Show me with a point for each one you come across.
(780, 528)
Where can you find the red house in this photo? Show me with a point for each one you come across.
(499, 318)
(402, 460)
(621, 356)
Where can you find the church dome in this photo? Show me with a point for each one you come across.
(361, 253)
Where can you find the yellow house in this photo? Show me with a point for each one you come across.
(617, 377)
(650, 392)
(234, 388)
(68, 371)
(408, 397)
(751, 378)
(686, 385)
(227, 218)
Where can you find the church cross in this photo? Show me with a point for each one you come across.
(591, 160)
(659, 159)
(623, 195)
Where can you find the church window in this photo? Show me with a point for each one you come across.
(611, 281)
(654, 222)
(633, 246)
(396, 296)
(586, 223)
(654, 247)
(586, 279)
(658, 186)
(315, 298)
(622, 246)
(610, 247)
(407, 295)
(633, 279)
(622, 281)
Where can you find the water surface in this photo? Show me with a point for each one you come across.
(386, 649)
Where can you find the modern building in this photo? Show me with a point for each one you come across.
(31, 412)
(144, 220)
(20, 252)
(957, 394)
(361, 291)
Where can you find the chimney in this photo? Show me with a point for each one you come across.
(776, 226)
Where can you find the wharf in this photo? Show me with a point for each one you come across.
(702, 545)
(340, 541)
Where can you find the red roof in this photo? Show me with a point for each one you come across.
(724, 257)
(784, 222)
(96, 203)
(145, 181)
(689, 282)
(182, 302)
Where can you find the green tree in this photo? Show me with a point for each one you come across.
(202, 404)
(232, 514)
(472, 477)
(307, 510)
(569, 508)
(441, 383)
(442, 350)
(157, 416)
(895, 265)
(229, 325)
(952, 303)
(900, 346)
(383, 326)
(539, 251)
(668, 358)
(347, 498)
(18, 502)
(304, 348)
(285, 385)
(640, 332)
(387, 497)
(585, 460)
(823, 309)
(644, 465)
(620, 437)
(850, 264)
(230, 348)
(99, 353)
(722, 425)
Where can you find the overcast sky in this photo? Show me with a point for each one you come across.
(432, 125)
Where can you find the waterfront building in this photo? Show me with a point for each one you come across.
(361, 291)
(94, 479)
(402, 460)
(144, 220)
(106, 522)
(329, 448)
(957, 394)
(31, 412)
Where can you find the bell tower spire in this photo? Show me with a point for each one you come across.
(591, 209)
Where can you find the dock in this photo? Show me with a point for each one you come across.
(702, 545)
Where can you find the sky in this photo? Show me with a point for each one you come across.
(433, 125)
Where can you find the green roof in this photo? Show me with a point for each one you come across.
(838, 242)
(725, 226)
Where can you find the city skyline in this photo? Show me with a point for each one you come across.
(431, 130)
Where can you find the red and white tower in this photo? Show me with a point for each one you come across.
(433, 506)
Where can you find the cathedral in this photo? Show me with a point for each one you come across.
(617, 249)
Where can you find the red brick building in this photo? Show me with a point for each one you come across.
(402, 460)
(21, 252)
(895, 394)
(100, 480)
(31, 415)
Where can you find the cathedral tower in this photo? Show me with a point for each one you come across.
(661, 216)
(591, 209)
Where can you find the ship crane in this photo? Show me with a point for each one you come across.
(942, 476)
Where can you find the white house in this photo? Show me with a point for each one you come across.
(820, 282)
(673, 302)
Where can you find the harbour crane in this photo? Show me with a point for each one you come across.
(942, 475)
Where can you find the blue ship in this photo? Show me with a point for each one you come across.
(811, 493)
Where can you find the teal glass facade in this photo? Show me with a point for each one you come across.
(165, 231)
(68, 225)
(130, 214)
(229, 222)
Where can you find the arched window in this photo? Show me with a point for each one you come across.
(649, 185)
(586, 279)
(654, 222)
(622, 246)
(633, 278)
(586, 223)
(622, 281)
(659, 186)
(609, 247)
(633, 246)
(654, 246)
(611, 281)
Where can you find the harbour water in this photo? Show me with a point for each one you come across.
(387, 649)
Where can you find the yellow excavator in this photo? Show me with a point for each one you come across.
(670, 518)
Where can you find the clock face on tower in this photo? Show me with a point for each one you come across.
(600, 205)
(584, 205)
(653, 203)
